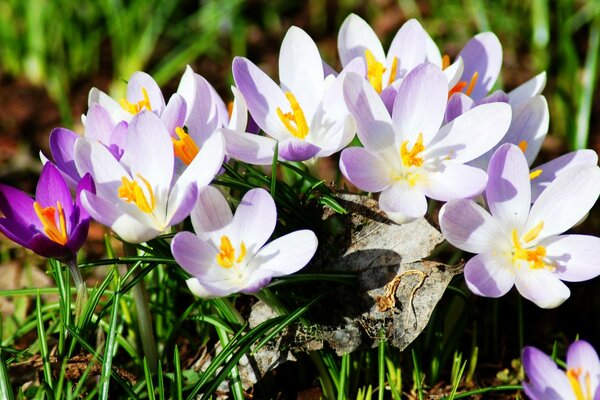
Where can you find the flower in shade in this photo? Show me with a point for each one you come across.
(228, 253)
(306, 114)
(409, 155)
(52, 224)
(580, 381)
(521, 244)
(142, 198)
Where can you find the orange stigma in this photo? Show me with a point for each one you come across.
(47, 216)
(185, 148)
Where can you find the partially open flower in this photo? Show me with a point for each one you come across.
(52, 224)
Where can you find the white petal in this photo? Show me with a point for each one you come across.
(285, 255)
(403, 203)
(575, 257)
(409, 47)
(254, 220)
(355, 37)
(541, 287)
(472, 134)
(530, 125)
(565, 202)
(489, 275)
(466, 225)
(301, 69)
(527, 90)
(455, 181)
(249, 147)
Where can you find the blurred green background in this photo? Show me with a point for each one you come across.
(53, 52)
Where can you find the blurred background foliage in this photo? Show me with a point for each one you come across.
(68, 46)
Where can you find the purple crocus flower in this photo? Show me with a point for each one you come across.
(547, 381)
(228, 253)
(52, 224)
(521, 244)
(410, 155)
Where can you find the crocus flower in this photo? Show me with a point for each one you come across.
(306, 115)
(228, 253)
(519, 244)
(548, 382)
(408, 156)
(144, 197)
(52, 224)
(410, 47)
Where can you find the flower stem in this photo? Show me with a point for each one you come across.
(144, 319)
(81, 297)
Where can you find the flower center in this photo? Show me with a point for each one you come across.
(573, 375)
(47, 215)
(375, 71)
(294, 121)
(533, 257)
(226, 257)
(411, 158)
(185, 148)
(134, 108)
(132, 192)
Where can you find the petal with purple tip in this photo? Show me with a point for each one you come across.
(489, 275)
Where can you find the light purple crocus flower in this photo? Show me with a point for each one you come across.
(580, 381)
(143, 197)
(410, 47)
(306, 115)
(52, 224)
(409, 156)
(519, 244)
(228, 253)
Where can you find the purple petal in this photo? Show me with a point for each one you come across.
(248, 147)
(365, 170)
(497, 97)
(183, 204)
(552, 169)
(98, 124)
(62, 147)
(297, 150)
(489, 275)
(541, 287)
(547, 380)
(527, 90)
(421, 102)
(575, 258)
(174, 114)
(372, 118)
(17, 206)
(193, 254)
(52, 188)
(458, 104)
(466, 225)
(508, 191)
(403, 203)
(581, 355)
(482, 54)
(455, 181)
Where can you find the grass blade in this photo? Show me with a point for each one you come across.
(43, 343)
(110, 345)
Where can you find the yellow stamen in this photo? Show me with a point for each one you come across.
(535, 174)
(131, 192)
(472, 83)
(534, 257)
(299, 128)
(226, 257)
(375, 70)
(47, 216)
(462, 84)
(134, 108)
(573, 377)
(445, 61)
(230, 108)
(410, 158)
(533, 232)
(185, 148)
(393, 71)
